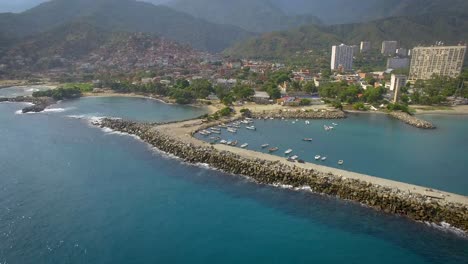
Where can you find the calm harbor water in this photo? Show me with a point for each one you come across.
(373, 144)
(72, 193)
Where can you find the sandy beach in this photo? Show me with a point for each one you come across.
(449, 110)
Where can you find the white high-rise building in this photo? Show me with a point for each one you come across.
(365, 46)
(389, 47)
(342, 57)
(396, 83)
(437, 60)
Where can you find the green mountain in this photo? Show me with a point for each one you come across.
(75, 45)
(353, 11)
(122, 15)
(251, 15)
(409, 31)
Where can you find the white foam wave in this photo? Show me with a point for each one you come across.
(57, 110)
(446, 227)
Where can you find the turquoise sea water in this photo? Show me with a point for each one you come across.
(72, 193)
(374, 144)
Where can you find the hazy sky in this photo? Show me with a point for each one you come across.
(21, 5)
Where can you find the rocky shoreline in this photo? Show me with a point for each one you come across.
(411, 120)
(390, 200)
(39, 104)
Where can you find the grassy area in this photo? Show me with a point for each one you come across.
(84, 87)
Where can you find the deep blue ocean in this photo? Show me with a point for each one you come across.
(373, 144)
(73, 193)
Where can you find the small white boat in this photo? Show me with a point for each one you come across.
(288, 151)
(295, 157)
(223, 141)
(216, 132)
(335, 124)
(234, 143)
(323, 158)
(307, 122)
(251, 128)
(307, 139)
(265, 145)
(244, 145)
(340, 162)
(317, 157)
(232, 130)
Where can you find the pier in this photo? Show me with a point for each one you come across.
(415, 202)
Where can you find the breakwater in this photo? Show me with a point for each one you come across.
(431, 208)
(411, 120)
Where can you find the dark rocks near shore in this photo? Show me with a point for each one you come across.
(39, 104)
(411, 120)
(390, 200)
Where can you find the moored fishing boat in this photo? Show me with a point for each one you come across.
(234, 143)
(251, 128)
(265, 145)
(307, 139)
(317, 157)
(273, 149)
(288, 151)
(340, 162)
(232, 130)
(323, 158)
(295, 157)
(244, 145)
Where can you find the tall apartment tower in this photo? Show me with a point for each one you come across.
(342, 57)
(389, 47)
(365, 46)
(396, 83)
(437, 60)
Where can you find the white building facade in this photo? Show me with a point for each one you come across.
(437, 60)
(342, 57)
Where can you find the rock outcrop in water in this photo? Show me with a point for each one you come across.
(39, 104)
(390, 200)
(411, 120)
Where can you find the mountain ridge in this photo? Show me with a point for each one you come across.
(409, 31)
(122, 15)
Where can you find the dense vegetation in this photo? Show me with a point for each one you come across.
(436, 90)
(350, 94)
(316, 40)
(251, 15)
(123, 15)
(59, 93)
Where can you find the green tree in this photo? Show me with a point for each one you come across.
(201, 88)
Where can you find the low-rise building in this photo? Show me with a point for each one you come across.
(397, 63)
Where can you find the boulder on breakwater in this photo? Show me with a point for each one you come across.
(411, 120)
(390, 200)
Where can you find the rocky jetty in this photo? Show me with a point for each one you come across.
(39, 104)
(411, 120)
(390, 200)
(301, 114)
